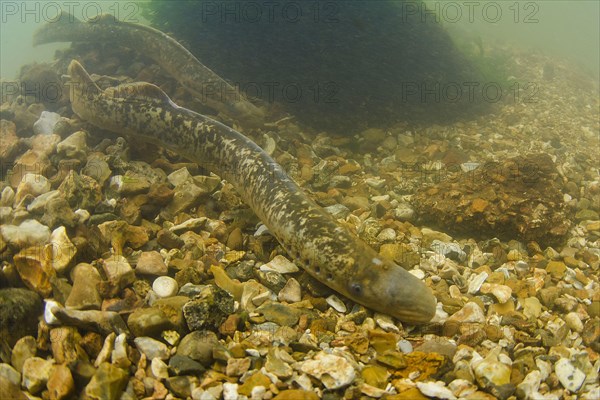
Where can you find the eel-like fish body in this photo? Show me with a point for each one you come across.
(175, 59)
(311, 236)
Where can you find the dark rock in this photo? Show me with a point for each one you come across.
(19, 313)
(209, 309)
(183, 365)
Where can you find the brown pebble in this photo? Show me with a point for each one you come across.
(168, 239)
(60, 384)
(230, 325)
(591, 333)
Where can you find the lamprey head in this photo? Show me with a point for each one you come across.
(383, 286)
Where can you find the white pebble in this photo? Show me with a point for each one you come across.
(405, 346)
(336, 303)
(230, 391)
(435, 389)
(45, 124)
(280, 264)
(165, 286)
(574, 322)
(49, 309)
(570, 377)
(475, 282)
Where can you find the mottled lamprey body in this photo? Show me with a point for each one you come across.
(324, 248)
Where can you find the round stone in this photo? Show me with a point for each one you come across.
(165, 286)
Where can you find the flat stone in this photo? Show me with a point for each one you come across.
(152, 348)
(281, 265)
(151, 263)
(281, 314)
(97, 321)
(436, 390)
(183, 365)
(29, 233)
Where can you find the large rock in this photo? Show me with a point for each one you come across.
(19, 312)
(517, 198)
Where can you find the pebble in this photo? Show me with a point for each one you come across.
(291, 292)
(152, 348)
(230, 391)
(528, 388)
(281, 314)
(46, 123)
(60, 383)
(36, 372)
(435, 389)
(28, 233)
(183, 365)
(61, 250)
(471, 312)
(99, 321)
(501, 292)
(74, 146)
(336, 303)
(107, 383)
(532, 308)
(476, 281)
(386, 235)
(491, 370)
(574, 322)
(22, 350)
(31, 185)
(10, 374)
(118, 356)
(333, 371)
(570, 377)
(84, 293)
(148, 322)
(198, 346)
(118, 272)
(165, 286)
(159, 369)
(179, 176)
(338, 211)
(281, 265)
(32, 266)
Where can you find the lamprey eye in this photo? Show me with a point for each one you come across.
(356, 289)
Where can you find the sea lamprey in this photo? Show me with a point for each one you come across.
(312, 237)
(199, 80)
